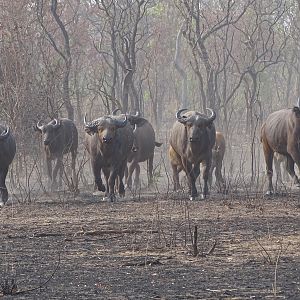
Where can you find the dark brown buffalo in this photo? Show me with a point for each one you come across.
(60, 137)
(143, 149)
(109, 141)
(192, 139)
(7, 153)
(218, 152)
(281, 133)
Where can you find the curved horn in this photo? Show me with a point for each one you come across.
(85, 122)
(91, 124)
(137, 114)
(56, 123)
(134, 128)
(39, 126)
(5, 133)
(121, 124)
(213, 115)
(179, 117)
(114, 112)
(298, 102)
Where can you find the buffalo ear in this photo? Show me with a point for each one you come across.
(209, 124)
(90, 130)
(296, 110)
(138, 121)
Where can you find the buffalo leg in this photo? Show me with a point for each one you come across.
(189, 170)
(49, 171)
(58, 166)
(206, 170)
(268, 153)
(97, 175)
(277, 169)
(218, 174)
(111, 184)
(3, 189)
(106, 173)
(121, 188)
(131, 168)
(61, 173)
(291, 170)
(137, 176)
(150, 170)
(74, 177)
(176, 165)
(211, 170)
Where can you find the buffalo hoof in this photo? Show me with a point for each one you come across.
(269, 193)
(1, 204)
(110, 198)
(200, 197)
(101, 188)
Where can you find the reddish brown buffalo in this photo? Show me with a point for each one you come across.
(281, 133)
(218, 152)
(7, 153)
(192, 139)
(60, 137)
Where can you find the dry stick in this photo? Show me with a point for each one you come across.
(212, 249)
(268, 255)
(275, 274)
(44, 283)
(101, 232)
(195, 241)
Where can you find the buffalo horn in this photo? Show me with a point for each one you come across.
(179, 117)
(56, 123)
(39, 126)
(121, 124)
(88, 124)
(114, 113)
(134, 128)
(298, 102)
(213, 115)
(5, 133)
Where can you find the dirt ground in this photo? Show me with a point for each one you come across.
(64, 247)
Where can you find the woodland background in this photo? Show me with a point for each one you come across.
(68, 58)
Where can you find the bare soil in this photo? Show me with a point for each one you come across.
(65, 247)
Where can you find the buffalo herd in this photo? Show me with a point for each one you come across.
(117, 143)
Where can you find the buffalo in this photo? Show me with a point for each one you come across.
(218, 152)
(109, 141)
(192, 139)
(281, 133)
(143, 149)
(7, 154)
(60, 137)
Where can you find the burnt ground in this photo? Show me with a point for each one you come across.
(66, 247)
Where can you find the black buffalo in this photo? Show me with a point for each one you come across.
(109, 141)
(60, 137)
(7, 154)
(143, 149)
(192, 139)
